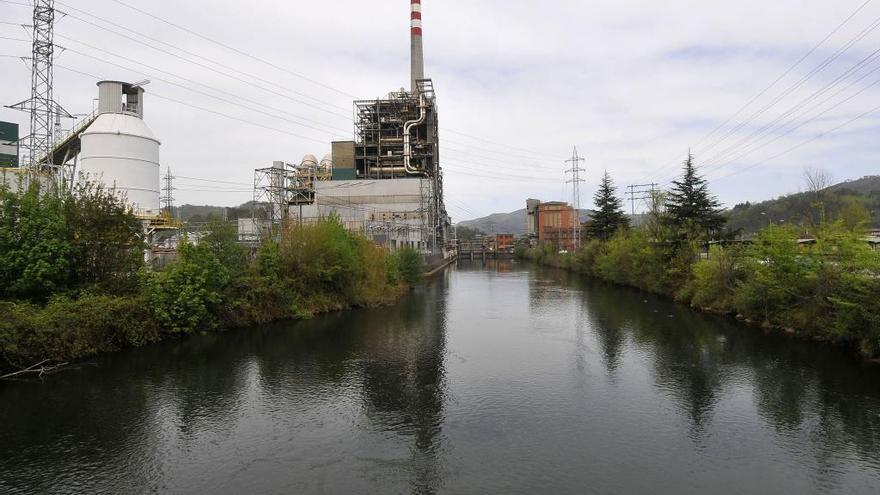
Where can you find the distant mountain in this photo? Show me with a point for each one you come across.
(204, 213)
(844, 199)
(847, 200)
(507, 223)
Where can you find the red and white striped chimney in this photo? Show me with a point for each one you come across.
(417, 60)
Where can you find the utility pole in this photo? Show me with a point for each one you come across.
(41, 105)
(575, 181)
(167, 192)
(640, 192)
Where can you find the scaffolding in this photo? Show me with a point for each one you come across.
(397, 137)
(282, 186)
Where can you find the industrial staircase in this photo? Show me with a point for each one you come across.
(68, 144)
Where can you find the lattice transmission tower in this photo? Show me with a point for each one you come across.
(167, 197)
(41, 104)
(575, 182)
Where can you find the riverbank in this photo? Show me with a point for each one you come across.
(214, 285)
(824, 291)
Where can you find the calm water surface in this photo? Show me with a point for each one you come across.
(496, 378)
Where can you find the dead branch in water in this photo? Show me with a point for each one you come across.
(40, 369)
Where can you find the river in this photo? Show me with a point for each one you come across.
(493, 378)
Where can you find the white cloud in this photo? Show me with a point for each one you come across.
(632, 83)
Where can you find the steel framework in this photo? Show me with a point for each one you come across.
(575, 182)
(42, 107)
(382, 148)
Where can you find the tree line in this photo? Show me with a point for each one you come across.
(73, 280)
(825, 287)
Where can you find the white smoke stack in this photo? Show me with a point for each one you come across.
(417, 60)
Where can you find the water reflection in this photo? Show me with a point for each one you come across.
(496, 377)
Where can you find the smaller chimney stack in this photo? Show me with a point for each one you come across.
(417, 60)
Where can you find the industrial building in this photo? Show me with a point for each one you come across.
(555, 223)
(9, 153)
(387, 183)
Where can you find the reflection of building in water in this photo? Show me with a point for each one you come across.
(404, 379)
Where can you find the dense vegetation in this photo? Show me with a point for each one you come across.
(854, 202)
(825, 289)
(73, 282)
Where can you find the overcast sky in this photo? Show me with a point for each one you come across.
(632, 84)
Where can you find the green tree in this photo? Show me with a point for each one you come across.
(692, 211)
(34, 248)
(107, 240)
(187, 295)
(609, 216)
(221, 240)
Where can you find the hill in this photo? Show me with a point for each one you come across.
(506, 223)
(204, 213)
(851, 201)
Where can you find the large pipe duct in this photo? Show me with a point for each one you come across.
(417, 60)
(407, 129)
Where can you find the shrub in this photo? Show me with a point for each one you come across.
(318, 258)
(254, 299)
(187, 294)
(630, 259)
(73, 328)
(411, 265)
(714, 281)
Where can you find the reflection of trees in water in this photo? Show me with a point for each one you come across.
(116, 416)
(810, 393)
(395, 356)
(404, 379)
(607, 323)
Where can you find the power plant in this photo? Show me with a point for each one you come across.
(387, 183)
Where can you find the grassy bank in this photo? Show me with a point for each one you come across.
(827, 290)
(74, 283)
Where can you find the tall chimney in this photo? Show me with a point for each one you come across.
(417, 60)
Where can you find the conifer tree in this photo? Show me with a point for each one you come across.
(693, 212)
(609, 216)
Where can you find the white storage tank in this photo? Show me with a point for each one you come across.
(119, 150)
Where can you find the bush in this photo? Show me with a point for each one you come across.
(411, 265)
(73, 328)
(186, 295)
(65, 241)
(318, 258)
(714, 281)
(254, 299)
(630, 259)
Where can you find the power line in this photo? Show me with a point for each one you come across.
(233, 49)
(240, 52)
(759, 132)
(203, 93)
(276, 93)
(231, 117)
(840, 51)
(156, 40)
(785, 73)
(818, 136)
(348, 117)
(779, 78)
(752, 149)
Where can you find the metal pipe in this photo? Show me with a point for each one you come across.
(407, 148)
(389, 170)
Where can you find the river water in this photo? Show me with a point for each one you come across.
(494, 378)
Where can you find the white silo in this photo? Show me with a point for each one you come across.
(119, 150)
